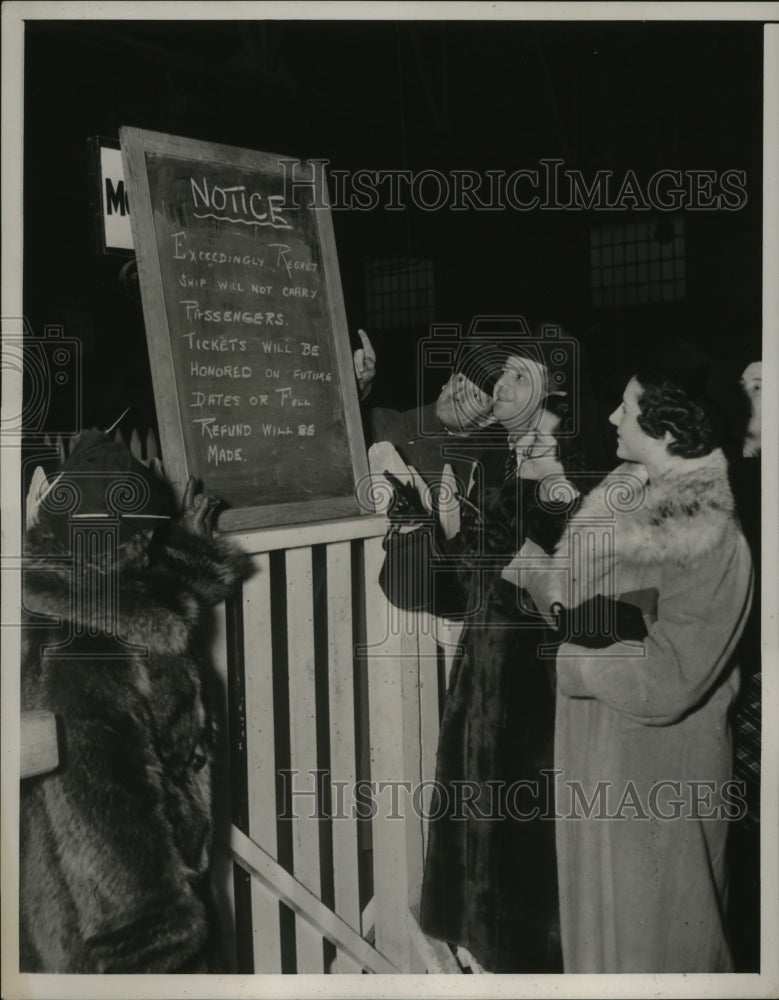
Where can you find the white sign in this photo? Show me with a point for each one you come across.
(116, 208)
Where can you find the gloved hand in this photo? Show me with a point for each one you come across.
(197, 510)
(406, 504)
(489, 534)
(600, 622)
(498, 536)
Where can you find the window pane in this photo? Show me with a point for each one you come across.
(628, 266)
(398, 292)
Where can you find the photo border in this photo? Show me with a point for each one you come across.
(14, 984)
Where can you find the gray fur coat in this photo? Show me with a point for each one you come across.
(115, 843)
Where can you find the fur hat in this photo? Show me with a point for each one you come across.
(101, 478)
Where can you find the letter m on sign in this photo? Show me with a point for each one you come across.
(115, 197)
(115, 206)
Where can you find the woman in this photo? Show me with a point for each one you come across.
(642, 742)
(115, 843)
(490, 874)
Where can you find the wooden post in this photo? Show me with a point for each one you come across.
(303, 748)
(393, 680)
(221, 863)
(343, 751)
(260, 755)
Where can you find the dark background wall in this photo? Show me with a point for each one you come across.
(404, 95)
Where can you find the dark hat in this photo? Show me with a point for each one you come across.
(101, 478)
(482, 353)
(554, 348)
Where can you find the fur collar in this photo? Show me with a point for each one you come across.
(159, 601)
(678, 517)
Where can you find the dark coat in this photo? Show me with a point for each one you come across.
(490, 884)
(115, 843)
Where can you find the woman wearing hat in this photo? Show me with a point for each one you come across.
(490, 882)
(115, 843)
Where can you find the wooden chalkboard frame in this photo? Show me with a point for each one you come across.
(136, 144)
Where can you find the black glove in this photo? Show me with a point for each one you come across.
(406, 504)
(600, 622)
(489, 532)
(499, 536)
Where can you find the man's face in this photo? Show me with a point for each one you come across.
(519, 392)
(462, 406)
(633, 443)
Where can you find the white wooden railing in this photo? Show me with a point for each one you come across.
(313, 647)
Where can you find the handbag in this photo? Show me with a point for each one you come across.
(414, 577)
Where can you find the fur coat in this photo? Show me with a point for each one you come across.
(115, 843)
(490, 881)
(643, 743)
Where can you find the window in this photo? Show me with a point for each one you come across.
(638, 262)
(398, 293)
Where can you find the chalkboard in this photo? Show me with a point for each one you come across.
(246, 329)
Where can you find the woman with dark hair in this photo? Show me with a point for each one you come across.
(490, 881)
(642, 745)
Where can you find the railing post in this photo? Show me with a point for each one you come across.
(394, 663)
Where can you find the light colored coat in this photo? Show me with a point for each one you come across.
(638, 892)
